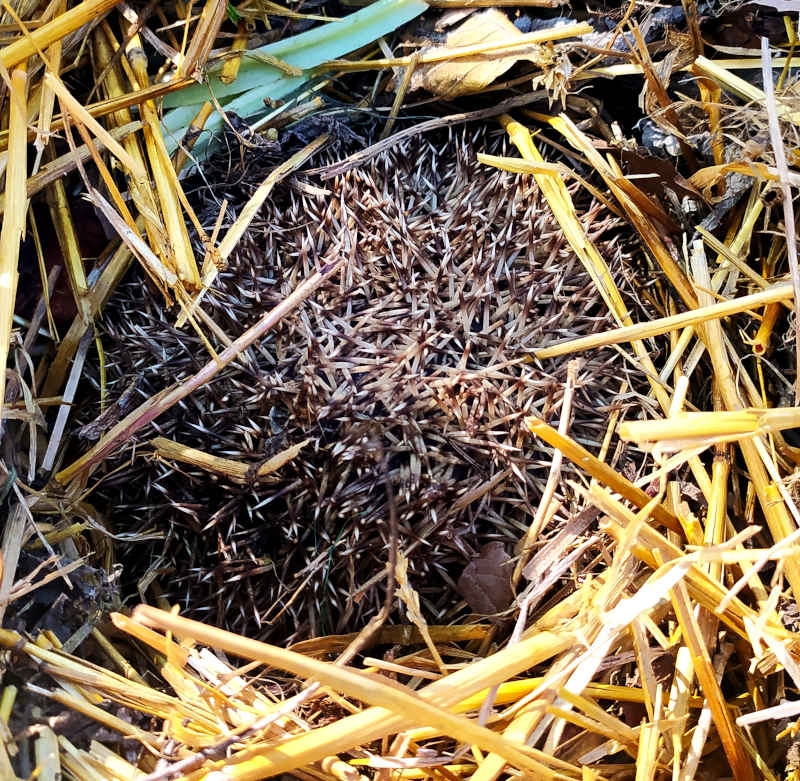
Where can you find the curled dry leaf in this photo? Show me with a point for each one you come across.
(95, 429)
(459, 76)
(485, 582)
(655, 175)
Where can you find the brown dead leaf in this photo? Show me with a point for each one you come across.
(458, 76)
(485, 582)
(654, 175)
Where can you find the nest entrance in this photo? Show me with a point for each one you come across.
(419, 350)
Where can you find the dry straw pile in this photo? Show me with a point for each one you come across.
(376, 335)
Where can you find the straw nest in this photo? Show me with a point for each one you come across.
(380, 439)
(420, 351)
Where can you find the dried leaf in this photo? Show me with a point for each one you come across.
(458, 76)
(654, 175)
(95, 429)
(486, 581)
